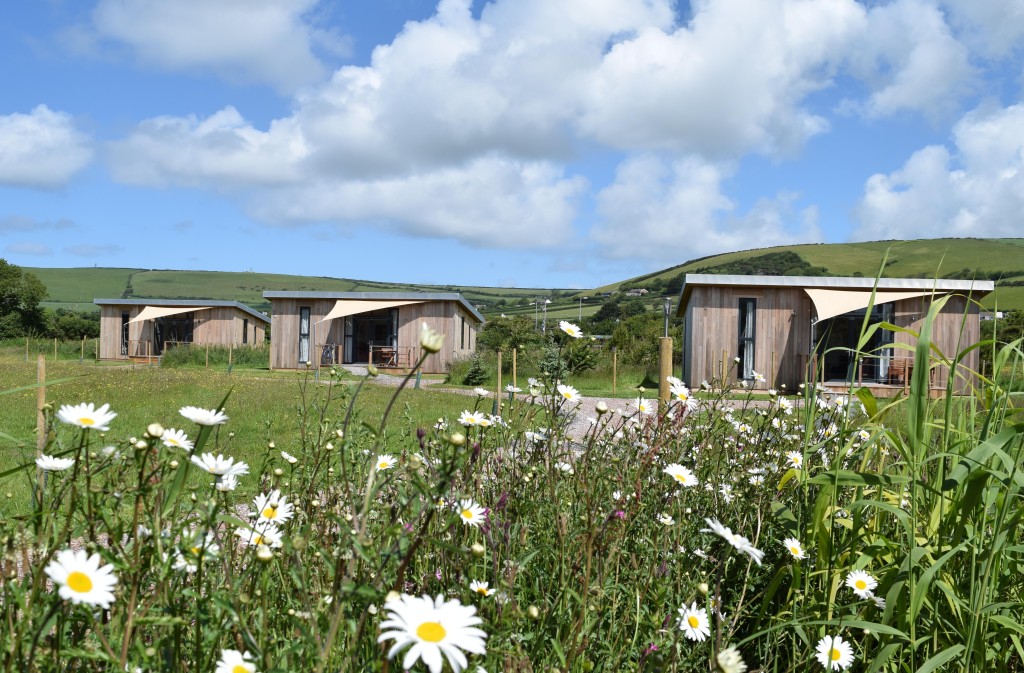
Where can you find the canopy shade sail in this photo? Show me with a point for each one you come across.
(830, 303)
(151, 312)
(345, 307)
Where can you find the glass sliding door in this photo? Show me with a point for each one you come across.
(303, 334)
(747, 333)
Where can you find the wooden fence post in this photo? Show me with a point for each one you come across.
(231, 351)
(82, 358)
(26, 349)
(54, 349)
(207, 355)
(615, 368)
(497, 394)
(40, 415)
(515, 381)
(664, 368)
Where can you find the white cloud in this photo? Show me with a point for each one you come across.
(264, 41)
(12, 223)
(910, 59)
(29, 248)
(490, 202)
(975, 190)
(222, 151)
(41, 149)
(671, 211)
(731, 81)
(991, 27)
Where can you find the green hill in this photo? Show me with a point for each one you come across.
(1001, 260)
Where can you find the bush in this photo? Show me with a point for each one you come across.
(476, 374)
(250, 357)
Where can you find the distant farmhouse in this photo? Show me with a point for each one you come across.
(789, 329)
(145, 328)
(382, 328)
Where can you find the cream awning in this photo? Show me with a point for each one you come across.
(346, 307)
(151, 312)
(830, 303)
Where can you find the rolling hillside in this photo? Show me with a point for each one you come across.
(1001, 259)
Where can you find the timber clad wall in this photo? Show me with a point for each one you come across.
(217, 326)
(442, 316)
(782, 334)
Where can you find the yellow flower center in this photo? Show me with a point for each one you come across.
(269, 512)
(79, 582)
(861, 584)
(693, 621)
(239, 668)
(482, 590)
(432, 632)
(382, 465)
(195, 550)
(85, 420)
(795, 551)
(567, 395)
(257, 539)
(834, 654)
(467, 514)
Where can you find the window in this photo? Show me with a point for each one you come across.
(124, 333)
(303, 334)
(748, 316)
(245, 330)
(462, 343)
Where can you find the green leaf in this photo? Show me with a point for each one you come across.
(979, 456)
(940, 659)
(852, 478)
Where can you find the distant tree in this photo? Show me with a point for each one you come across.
(68, 325)
(20, 294)
(508, 333)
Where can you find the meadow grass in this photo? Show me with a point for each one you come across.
(816, 533)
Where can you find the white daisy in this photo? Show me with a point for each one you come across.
(273, 507)
(694, 622)
(263, 534)
(219, 465)
(233, 661)
(795, 459)
(730, 661)
(834, 653)
(569, 393)
(739, 542)
(570, 329)
(642, 406)
(470, 512)
(86, 415)
(481, 392)
(226, 483)
(385, 461)
(481, 588)
(54, 464)
(203, 416)
(681, 474)
(512, 389)
(794, 547)
(81, 579)
(289, 457)
(431, 628)
(176, 439)
(469, 418)
(862, 583)
(666, 519)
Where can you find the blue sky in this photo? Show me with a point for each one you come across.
(552, 143)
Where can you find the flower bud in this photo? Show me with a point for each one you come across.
(601, 407)
(174, 463)
(340, 433)
(430, 341)
(703, 588)
(263, 553)
(533, 612)
(415, 463)
(141, 444)
(392, 596)
(477, 549)
(329, 446)
(155, 430)
(271, 445)
(457, 438)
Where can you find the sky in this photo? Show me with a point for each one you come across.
(516, 143)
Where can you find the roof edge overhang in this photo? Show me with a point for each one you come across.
(381, 296)
(197, 303)
(977, 288)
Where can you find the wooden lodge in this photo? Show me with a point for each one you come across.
(382, 328)
(793, 329)
(142, 329)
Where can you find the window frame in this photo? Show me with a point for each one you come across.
(747, 318)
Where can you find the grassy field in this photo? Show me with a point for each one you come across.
(263, 405)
